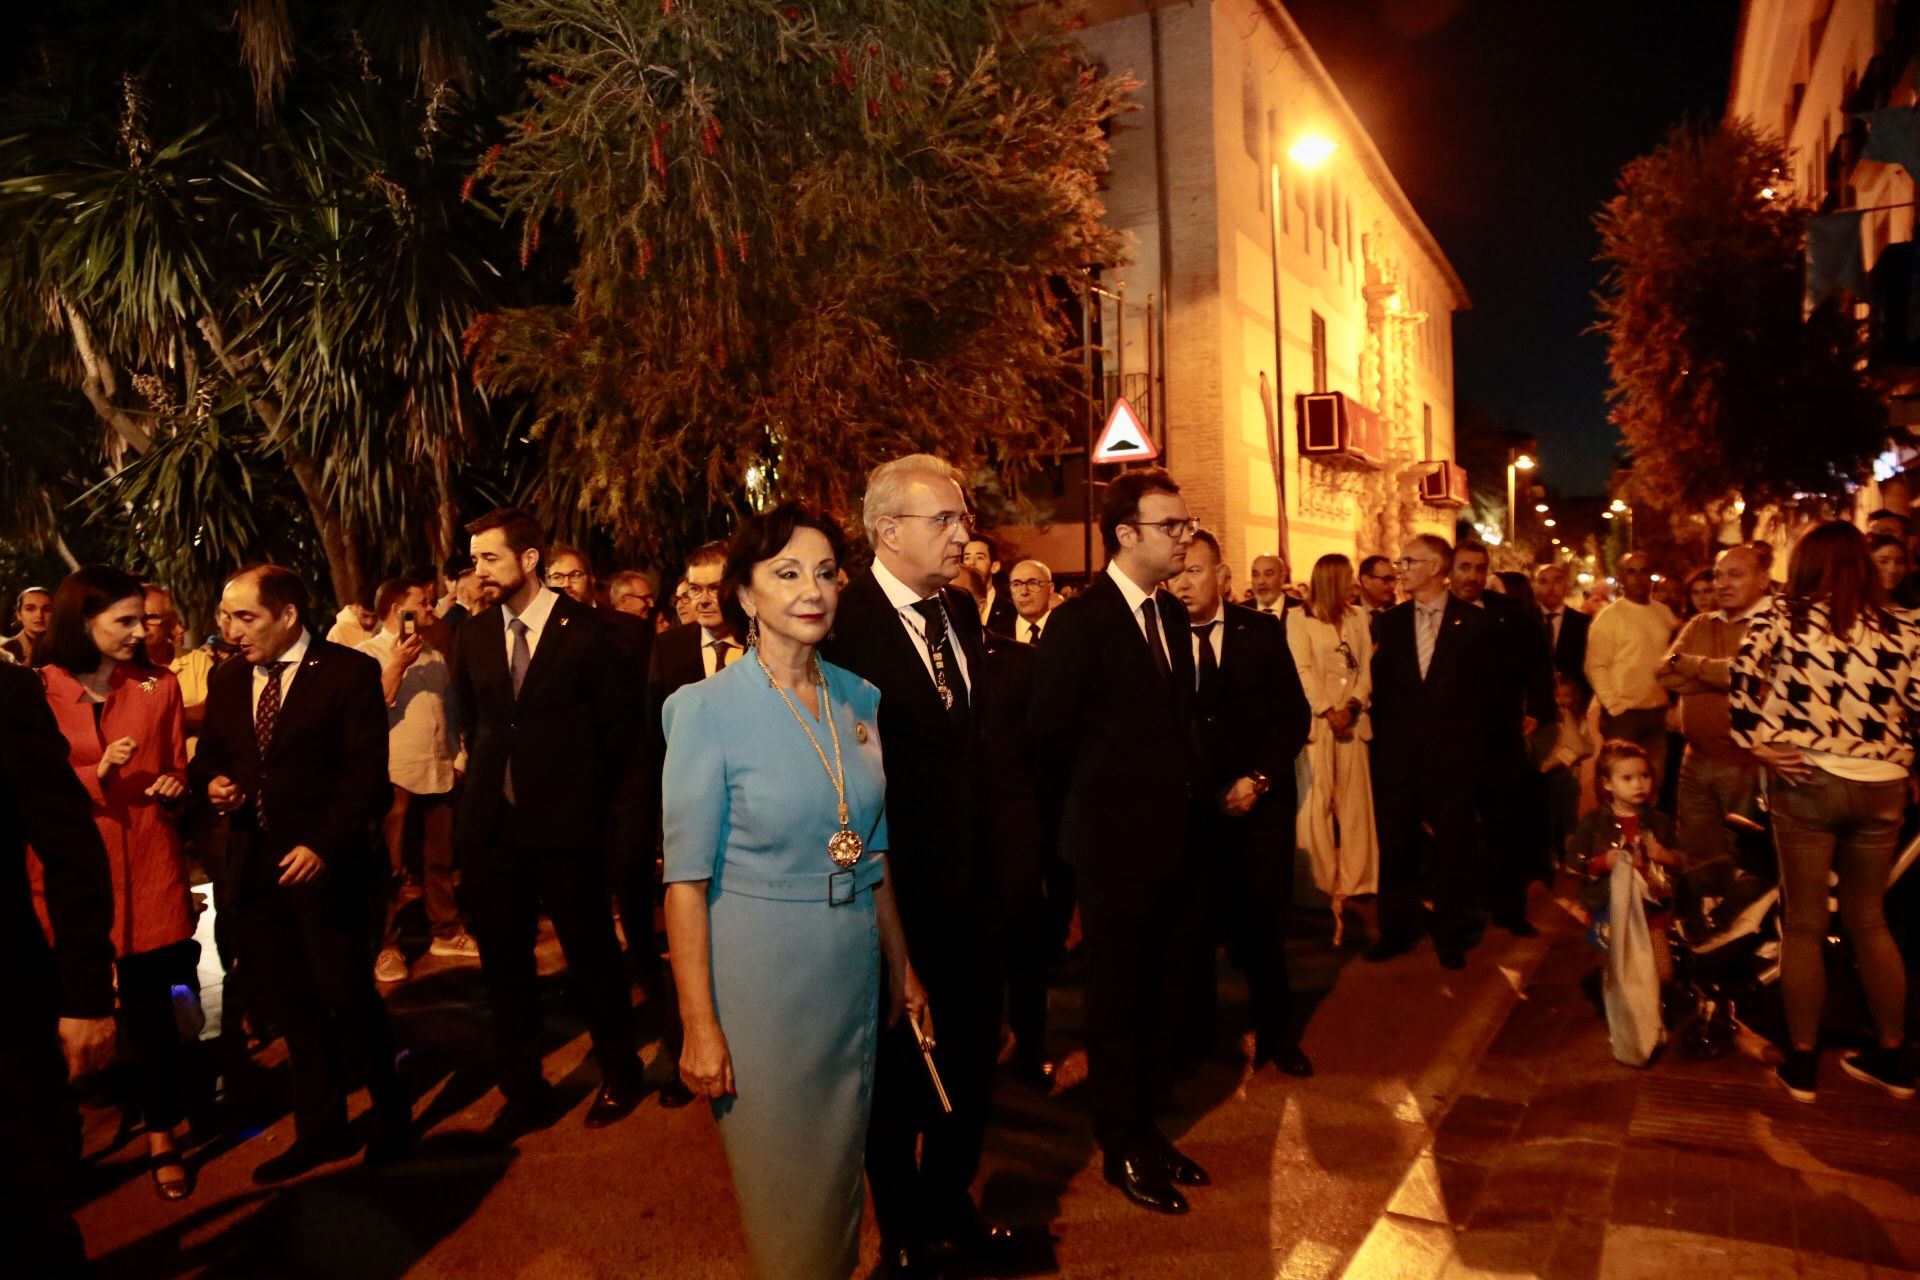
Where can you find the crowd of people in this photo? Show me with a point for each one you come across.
(873, 791)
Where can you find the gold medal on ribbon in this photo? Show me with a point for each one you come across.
(843, 846)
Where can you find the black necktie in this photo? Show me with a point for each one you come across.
(1207, 680)
(1151, 615)
(946, 667)
(266, 715)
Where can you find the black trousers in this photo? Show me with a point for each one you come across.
(157, 1060)
(637, 886)
(1139, 934)
(1254, 890)
(1429, 845)
(956, 952)
(1031, 947)
(1513, 817)
(39, 1141)
(508, 885)
(312, 947)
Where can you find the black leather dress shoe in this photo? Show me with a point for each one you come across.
(524, 1111)
(304, 1156)
(1287, 1058)
(904, 1260)
(674, 1094)
(1181, 1170)
(615, 1101)
(1387, 949)
(1143, 1180)
(986, 1247)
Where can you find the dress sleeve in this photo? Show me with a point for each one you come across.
(1748, 678)
(1300, 642)
(1362, 645)
(693, 788)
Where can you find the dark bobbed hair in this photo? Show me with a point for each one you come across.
(761, 538)
(1519, 588)
(517, 525)
(1831, 564)
(1122, 503)
(86, 593)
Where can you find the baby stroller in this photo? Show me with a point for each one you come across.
(1726, 944)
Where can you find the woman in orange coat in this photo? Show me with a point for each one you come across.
(123, 723)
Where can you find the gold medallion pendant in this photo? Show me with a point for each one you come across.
(844, 847)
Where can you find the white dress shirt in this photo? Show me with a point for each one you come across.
(709, 655)
(1135, 597)
(539, 609)
(295, 655)
(1023, 629)
(1217, 636)
(421, 744)
(903, 598)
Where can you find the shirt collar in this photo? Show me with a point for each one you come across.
(708, 637)
(538, 609)
(1439, 605)
(296, 652)
(1128, 587)
(1752, 611)
(898, 593)
(1219, 615)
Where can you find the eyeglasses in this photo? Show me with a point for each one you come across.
(1020, 583)
(944, 521)
(1405, 563)
(557, 578)
(699, 590)
(1172, 528)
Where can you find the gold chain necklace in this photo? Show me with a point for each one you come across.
(843, 846)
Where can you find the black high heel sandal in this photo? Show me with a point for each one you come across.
(169, 1190)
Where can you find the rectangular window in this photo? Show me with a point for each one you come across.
(1319, 352)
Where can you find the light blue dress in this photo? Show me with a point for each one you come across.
(796, 981)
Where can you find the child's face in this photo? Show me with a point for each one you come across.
(1565, 696)
(1631, 782)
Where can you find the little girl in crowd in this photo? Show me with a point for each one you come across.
(1626, 826)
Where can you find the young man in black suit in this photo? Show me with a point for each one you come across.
(1432, 694)
(550, 706)
(61, 1026)
(685, 655)
(1566, 628)
(1112, 722)
(1512, 804)
(917, 639)
(997, 613)
(1252, 716)
(294, 753)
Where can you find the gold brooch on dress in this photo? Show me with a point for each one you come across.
(859, 731)
(148, 686)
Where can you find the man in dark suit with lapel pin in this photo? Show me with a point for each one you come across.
(294, 753)
(1253, 718)
(1566, 628)
(61, 1025)
(1112, 721)
(550, 707)
(903, 628)
(997, 612)
(1432, 693)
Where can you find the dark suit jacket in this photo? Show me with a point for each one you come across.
(574, 735)
(933, 766)
(1260, 721)
(1437, 726)
(43, 805)
(1116, 737)
(634, 635)
(1570, 655)
(324, 777)
(1002, 616)
(1013, 832)
(676, 660)
(1524, 675)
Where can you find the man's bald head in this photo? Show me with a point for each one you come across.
(1269, 576)
(1031, 586)
(1739, 579)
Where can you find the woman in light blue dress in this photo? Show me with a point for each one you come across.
(779, 914)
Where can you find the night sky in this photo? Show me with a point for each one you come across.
(1507, 122)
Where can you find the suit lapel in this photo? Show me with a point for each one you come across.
(300, 692)
(557, 635)
(897, 651)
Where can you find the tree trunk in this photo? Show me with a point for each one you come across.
(446, 529)
(341, 545)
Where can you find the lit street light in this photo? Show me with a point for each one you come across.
(1309, 151)
(1312, 150)
(1518, 460)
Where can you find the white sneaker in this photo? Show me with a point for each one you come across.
(460, 946)
(391, 966)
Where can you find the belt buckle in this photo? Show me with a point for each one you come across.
(834, 881)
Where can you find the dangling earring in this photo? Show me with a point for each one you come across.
(753, 632)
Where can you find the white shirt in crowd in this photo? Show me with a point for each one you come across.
(1215, 635)
(1023, 630)
(1135, 598)
(295, 655)
(1625, 648)
(422, 745)
(903, 597)
(710, 651)
(346, 629)
(539, 609)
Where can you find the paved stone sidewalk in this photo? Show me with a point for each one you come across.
(1559, 1163)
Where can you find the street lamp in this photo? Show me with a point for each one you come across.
(1518, 460)
(1619, 507)
(1309, 151)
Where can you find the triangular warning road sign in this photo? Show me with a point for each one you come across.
(1124, 439)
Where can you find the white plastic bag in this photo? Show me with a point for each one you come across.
(1632, 986)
